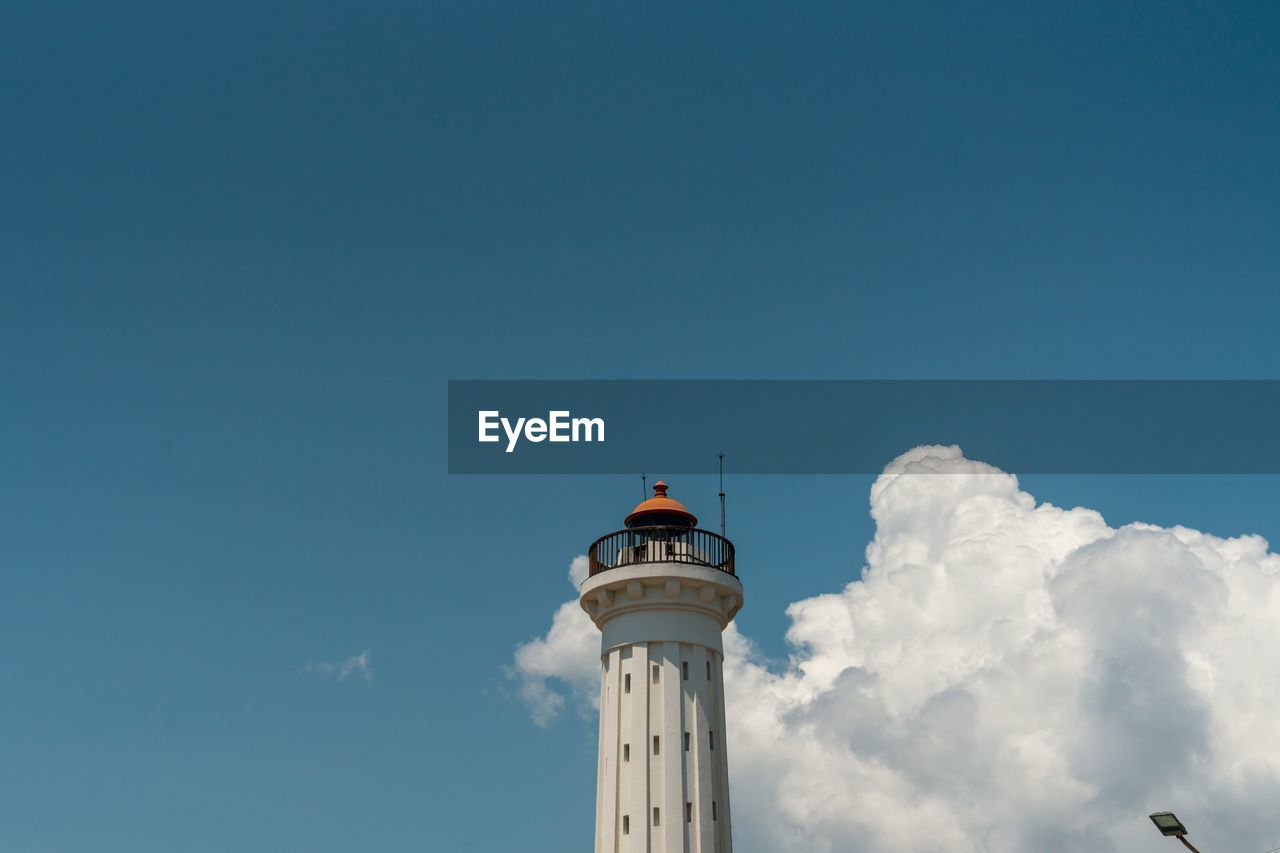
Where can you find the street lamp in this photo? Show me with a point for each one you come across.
(1168, 824)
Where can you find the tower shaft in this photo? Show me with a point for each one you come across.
(663, 772)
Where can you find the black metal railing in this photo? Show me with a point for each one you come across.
(660, 545)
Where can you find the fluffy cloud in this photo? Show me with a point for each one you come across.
(568, 656)
(1005, 676)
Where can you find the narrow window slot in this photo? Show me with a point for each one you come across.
(688, 812)
(626, 683)
(684, 665)
(711, 736)
(686, 741)
(655, 745)
(713, 809)
(708, 670)
(626, 824)
(656, 820)
(655, 673)
(626, 752)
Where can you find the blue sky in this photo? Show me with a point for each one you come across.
(245, 246)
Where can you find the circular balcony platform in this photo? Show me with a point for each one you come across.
(637, 545)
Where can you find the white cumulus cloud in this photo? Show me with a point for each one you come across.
(568, 657)
(1005, 676)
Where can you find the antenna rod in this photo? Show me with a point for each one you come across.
(644, 486)
(721, 494)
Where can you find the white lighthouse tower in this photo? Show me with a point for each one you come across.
(661, 592)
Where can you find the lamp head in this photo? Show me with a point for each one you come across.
(1168, 824)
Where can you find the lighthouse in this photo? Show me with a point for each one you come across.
(661, 591)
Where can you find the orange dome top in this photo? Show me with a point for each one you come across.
(661, 510)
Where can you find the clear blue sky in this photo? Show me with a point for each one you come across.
(244, 245)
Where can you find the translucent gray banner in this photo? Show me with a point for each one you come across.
(856, 426)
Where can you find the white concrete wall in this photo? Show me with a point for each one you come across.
(633, 780)
(661, 618)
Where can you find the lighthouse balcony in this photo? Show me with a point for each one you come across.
(636, 545)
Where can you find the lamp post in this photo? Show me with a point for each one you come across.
(1168, 824)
